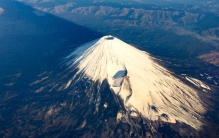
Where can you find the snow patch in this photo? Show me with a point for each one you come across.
(105, 105)
(47, 1)
(198, 83)
(1, 10)
(144, 86)
(63, 8)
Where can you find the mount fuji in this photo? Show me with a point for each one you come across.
(142, 86)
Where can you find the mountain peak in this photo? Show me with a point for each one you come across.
(146, 88)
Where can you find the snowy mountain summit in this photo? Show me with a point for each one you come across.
(145, 88)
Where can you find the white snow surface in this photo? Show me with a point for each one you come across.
(144, 86)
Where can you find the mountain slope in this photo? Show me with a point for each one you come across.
(30, 45)
(145, 87)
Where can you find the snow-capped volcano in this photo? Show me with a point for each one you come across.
(145, 87)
